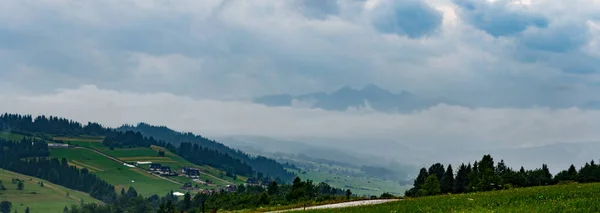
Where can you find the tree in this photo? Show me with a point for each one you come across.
(66, 210)
(348, 193)
(420, 180)
(131, 192)
(41, 184)
(264, 199)
(386, 195)
(2, 186)
(5, 206)
(187, 201)
(438, 170)
(20, 185)
(27, 210)
(431, 186)
(447, 183)
(461, 181)
(572, 172)
(273, 188)
(161, 153)
(167, 207)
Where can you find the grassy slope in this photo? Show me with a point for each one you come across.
(132, 155)
(115, 173)
(558, 198)
(50, 198)
(11, 136)
(358, 185)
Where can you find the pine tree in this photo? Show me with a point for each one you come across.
(572, 172)
(20, 185)
(461, 181)
(420, 180)
(447, 183)
(5, 206)
(187, 201)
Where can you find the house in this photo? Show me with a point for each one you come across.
(252, 181)
(192, 173)
(166, 171)
(231, 188)
(155, 167)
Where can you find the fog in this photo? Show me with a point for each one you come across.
(447, 134)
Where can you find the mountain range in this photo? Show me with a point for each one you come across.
(371, 96)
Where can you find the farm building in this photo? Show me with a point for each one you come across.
(155, 167)
(191, 172)
(166, 171)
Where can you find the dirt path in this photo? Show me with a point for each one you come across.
(341, 205)
(120, 161)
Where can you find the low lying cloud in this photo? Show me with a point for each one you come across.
(442, 125)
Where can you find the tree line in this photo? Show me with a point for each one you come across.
(485, 175)
(261, 164)
(245, 197)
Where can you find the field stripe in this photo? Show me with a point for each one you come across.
(88, 166)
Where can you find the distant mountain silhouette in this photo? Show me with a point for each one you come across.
(346, 97)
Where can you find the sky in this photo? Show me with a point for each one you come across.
(527, 65)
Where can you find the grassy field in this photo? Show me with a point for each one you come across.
(358, 185)
(144, 154)
(11, 136)
(115, 173)
(50, 198)
(558, 198)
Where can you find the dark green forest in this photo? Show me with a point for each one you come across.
(485, 175)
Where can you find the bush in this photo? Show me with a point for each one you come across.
(386, 195)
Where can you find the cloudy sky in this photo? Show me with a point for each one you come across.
(528, 65)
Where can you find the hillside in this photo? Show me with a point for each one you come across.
(114, 172)
(219, 156)
(49, 198)
(267, 166)
(558, 198)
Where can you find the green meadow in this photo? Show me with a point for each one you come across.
(49, 198)
(557, 198)
(116, 173)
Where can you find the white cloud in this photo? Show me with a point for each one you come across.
(438, 126)
(241, 49)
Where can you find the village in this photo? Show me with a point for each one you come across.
(194, 174)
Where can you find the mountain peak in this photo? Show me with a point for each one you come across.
(373, 87)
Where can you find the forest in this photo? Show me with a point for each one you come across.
(485, 175)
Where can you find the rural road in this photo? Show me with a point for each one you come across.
(120, 161)
(341, 205)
